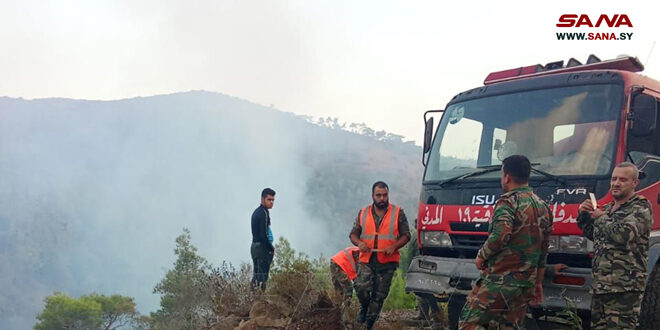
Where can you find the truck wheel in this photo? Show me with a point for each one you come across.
(649, 317)
(454, 308)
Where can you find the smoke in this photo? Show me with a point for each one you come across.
(93, 194)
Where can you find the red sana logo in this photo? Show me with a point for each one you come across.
(574, 20)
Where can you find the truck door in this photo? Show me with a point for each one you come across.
(644, 151)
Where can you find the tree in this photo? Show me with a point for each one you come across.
(64, 312)
(184, 302)
(118, 310)
(91, 312)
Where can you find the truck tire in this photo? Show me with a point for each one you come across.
(454, 308)
(649, 317)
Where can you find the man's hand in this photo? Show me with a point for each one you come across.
(272, 253)
(390, 250)
(597, 213)
(363, 247)
(480, 263)
(559, 268)
(538, 288)
(538, 294)
(586, 206)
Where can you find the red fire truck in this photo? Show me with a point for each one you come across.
(574, 122)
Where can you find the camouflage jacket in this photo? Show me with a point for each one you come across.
(621, 244)
(518, 238)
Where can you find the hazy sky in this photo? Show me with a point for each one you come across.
(378, 62)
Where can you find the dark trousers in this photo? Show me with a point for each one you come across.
(261, 260)
(372, 286)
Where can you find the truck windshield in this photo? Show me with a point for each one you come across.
(567, 131)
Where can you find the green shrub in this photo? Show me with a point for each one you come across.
(409, 251)
(298, 281)
(398, 298)
(230, 289)
(569, 313)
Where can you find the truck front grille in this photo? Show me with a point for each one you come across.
(469, 226)
(468, 241)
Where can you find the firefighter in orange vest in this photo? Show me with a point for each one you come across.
(380, 230)
(343, 268)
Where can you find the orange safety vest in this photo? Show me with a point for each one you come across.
(386, 235)
(344, 259)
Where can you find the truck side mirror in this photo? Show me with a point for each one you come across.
(649, 171)
(643, 115)
(428, 135)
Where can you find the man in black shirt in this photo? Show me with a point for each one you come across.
(262, 249)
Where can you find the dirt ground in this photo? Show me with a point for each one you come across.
(331, 319)
(319, 319)
(391, 320)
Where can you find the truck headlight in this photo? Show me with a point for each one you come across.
(573, 244)
(436, 239)
(570, 244)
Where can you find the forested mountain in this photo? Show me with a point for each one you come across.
(92, 193)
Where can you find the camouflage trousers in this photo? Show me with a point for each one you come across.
(495, 306)
(615, 310)
(343, 285)
(372, 287)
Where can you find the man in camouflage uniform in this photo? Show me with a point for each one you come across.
(374, 277)
(343, 270)
(620, 232)
(512, 260)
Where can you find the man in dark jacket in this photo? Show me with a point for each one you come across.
(262, 249)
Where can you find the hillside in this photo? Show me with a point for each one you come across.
(94, 192)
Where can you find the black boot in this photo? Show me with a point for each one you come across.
(370, 324)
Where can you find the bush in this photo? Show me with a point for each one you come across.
(398, 298)
(409, 251)
(322, 280)
(230, 290)
(569, 313)
(196, 295)
(296, 281)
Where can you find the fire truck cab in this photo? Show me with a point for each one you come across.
(574, 122)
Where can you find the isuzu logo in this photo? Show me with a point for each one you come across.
(483, 199)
